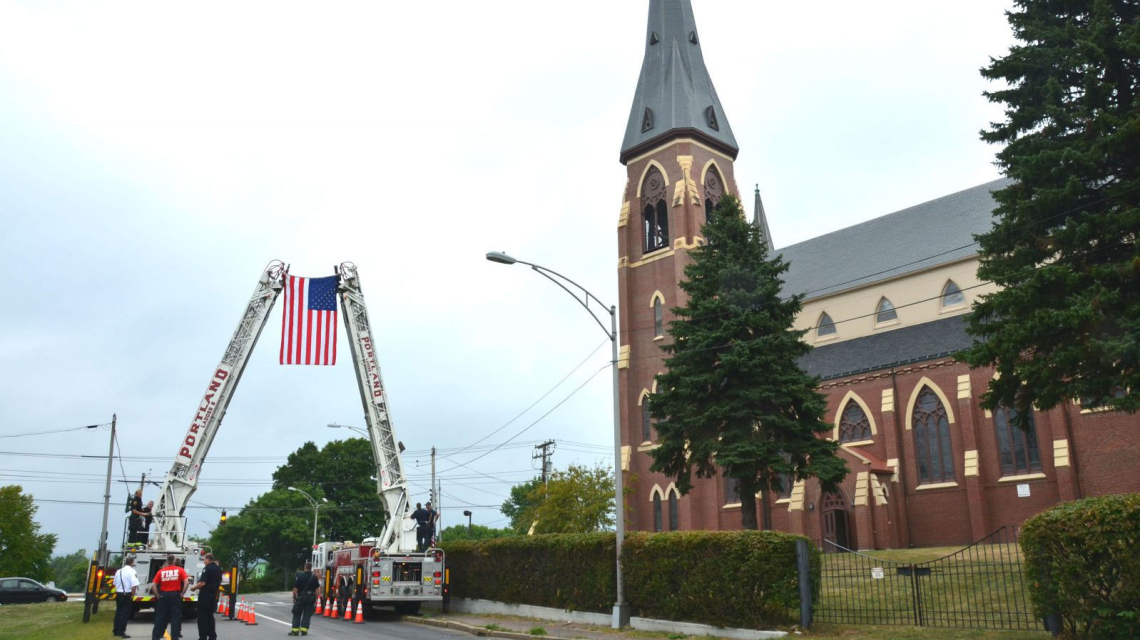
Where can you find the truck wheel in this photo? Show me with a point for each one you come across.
(408, 608)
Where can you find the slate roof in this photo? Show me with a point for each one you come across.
(674, 85)
(913, 239)
(881, 350)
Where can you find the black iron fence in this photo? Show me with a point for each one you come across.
(980, 587)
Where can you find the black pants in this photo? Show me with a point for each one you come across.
(134, 527)
(423, 537)
(206, 609)
(123, 604)
(303, 608)
(168, 609)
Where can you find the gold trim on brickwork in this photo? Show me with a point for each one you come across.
(888, 400)
(964, 387)
(796, 500)
(1061, 453)
(971, 462)
(623, 217)
(625, 453)
(927, 382)
(937, 485)
(623, 357)
(666, 145)
(645, 172)
(862, 488)
(1021, 478)
(878, 490)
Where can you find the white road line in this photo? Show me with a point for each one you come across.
(265, 617)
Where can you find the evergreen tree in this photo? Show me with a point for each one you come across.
(734, 396)
(1066, 320)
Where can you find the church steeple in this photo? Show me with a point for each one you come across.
(675, 95)
(760, 219)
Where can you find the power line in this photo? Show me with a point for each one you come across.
(44, 433)
(532, 405)
(540, 418)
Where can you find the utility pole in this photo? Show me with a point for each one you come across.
(547, 451)
(107, 495)
(431, 491)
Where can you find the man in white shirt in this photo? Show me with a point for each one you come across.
(126, 583)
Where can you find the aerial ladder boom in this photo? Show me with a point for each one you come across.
(182, 480)
(391, 484)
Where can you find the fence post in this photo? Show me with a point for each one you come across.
(803, 565)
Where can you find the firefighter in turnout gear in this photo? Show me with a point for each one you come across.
(305, 587)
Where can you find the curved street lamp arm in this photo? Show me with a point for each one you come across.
(587, 296)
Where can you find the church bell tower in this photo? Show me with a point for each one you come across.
(678, 152)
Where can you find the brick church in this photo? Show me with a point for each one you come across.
(884, 307)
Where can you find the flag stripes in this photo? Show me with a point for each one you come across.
(308, 322)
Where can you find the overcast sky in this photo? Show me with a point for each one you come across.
(154, 157)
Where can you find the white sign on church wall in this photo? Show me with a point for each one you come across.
(1022, 491)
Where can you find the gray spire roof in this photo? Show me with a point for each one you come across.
(674, 92)
(760, 219)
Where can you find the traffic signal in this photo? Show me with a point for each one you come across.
(223, 519)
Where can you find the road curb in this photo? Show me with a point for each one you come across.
(475, 631)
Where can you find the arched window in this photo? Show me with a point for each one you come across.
(655, 223)
(656, 511)
(854, 425)
(1017, 448)
(885, 312)
(932, 450)
(825, 326)
(731, 490)
(658, 321)
(673, 526)
(952, 295)
(646, 421)
(714, 191)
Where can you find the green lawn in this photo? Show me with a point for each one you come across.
(981, 587)
(54, 621)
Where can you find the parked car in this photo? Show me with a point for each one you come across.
(21, 590)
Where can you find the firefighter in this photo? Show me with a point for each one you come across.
(305, 587)
(136, 520)
(421, 516)
(169, 584)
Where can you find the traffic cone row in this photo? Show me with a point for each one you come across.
(329, 608)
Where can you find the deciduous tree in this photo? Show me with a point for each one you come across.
(734, 400)
(577, 500)
(344, 472)
(519, 507)
(1066, 321)
(24, 551)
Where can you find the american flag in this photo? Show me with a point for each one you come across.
(308, 324)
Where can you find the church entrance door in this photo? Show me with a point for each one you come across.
(833, 510)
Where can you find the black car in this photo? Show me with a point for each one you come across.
(21, 590)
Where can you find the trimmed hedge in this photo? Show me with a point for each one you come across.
(567, 571)
(724, 578)
(1082, 560)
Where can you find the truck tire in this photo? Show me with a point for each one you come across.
(408, 608)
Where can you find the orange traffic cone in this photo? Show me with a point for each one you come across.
(318, 611)
(252, 620)
(348, 610)
(359, 614)
(241, 610)
(226, 613)
(329, 608)
(221, 606)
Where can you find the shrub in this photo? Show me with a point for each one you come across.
(1082, 562)
(725, 578)
(566, 571)
(738, 578)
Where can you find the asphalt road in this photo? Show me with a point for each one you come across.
(274, 619)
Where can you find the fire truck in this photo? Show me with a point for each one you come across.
(386, 569)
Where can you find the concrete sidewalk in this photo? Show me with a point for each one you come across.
(514, 622)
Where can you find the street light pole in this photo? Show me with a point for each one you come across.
(621, 608)
(316, 510)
